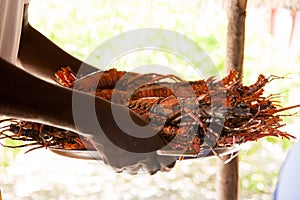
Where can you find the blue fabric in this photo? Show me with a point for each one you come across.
(288, 187)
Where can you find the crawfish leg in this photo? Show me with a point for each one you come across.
(19, 146)
(213, 136)
(197, 120)
(13, 138)
(21, 128)
(41, 146)
(274, 77)
(171, 76)
(41, 129)
(153, 77)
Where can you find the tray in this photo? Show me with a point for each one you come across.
(94, 155)
(205, 152)
(78, 154)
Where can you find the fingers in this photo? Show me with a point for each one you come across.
(155, 163)
(151, 165)
(145, 163)
(134, 169)
(166, 162)
(132, 162)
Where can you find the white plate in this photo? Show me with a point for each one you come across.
(79, 154)
(94, 155)
(207, 152)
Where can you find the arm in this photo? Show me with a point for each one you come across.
(26, 97)
(39, 56)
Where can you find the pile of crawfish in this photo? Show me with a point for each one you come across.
(188, 115)
(40, 135)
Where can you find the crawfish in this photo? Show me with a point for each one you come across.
(177, 119)
(182, 112)
(41, 135)
(156, 102)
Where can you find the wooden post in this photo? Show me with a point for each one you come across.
(236, 13)
(228, 174)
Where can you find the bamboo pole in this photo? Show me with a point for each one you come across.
(228, 174)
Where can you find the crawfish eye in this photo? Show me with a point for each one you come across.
(196, 140)
(173, 131)
(14, 128)
(47, 137)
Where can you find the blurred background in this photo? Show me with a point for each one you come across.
(81, 26)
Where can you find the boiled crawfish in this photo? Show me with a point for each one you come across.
(40, 135)
(181, 111)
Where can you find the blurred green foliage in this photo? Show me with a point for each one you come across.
(8, 154)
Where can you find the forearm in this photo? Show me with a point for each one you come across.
(41, 57)
(27, 97)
